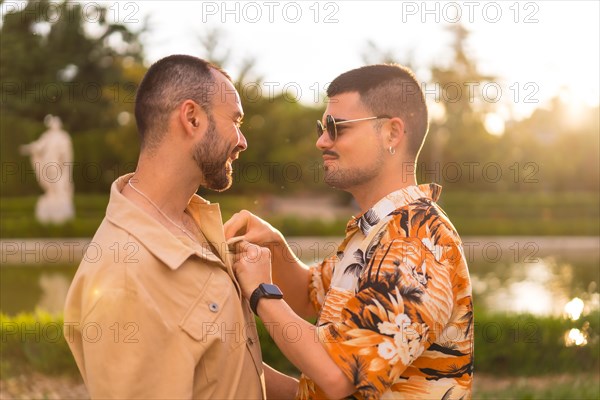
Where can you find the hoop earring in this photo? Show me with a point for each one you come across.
(392, 150)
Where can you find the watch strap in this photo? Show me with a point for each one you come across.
(256, 295)
(267, 290)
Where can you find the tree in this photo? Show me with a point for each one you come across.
(555, 151)
(51, 64)
(459, 136)
(281, 155)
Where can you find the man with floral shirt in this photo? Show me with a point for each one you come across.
(395, 316)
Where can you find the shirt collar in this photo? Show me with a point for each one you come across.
(391, 202)
(159, 240)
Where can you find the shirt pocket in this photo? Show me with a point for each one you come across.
(207, 322)
(200, 320)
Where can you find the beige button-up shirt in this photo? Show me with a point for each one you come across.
(153, 315)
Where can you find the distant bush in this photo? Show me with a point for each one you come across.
(271, 353)
(539, 214)
(34, 341)
(473, 214)
(512, 345)
(529, 345)
(295, 226)
(18, 218)
(25, 227)
(578, 386)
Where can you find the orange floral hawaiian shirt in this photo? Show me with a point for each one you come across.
(395, 308)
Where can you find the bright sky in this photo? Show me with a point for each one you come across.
(536, 49)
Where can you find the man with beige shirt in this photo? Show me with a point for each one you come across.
(154, 310)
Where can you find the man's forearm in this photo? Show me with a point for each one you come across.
(298, 341)
(279, 386)
(293, 277)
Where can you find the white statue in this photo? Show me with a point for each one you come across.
(52, 159)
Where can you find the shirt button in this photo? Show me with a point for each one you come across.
(214, 307)
(250, 340)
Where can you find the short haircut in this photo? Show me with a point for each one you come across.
(389, 90)
(167, 83)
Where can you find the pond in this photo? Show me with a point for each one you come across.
(541, 276)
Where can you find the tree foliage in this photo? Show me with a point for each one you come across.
(62, 59)
(87, 73)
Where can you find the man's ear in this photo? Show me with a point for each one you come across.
(192, 118)
(397, 132)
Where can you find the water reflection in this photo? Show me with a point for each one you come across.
(576, 337)
(54, 292)
(574, 308)
(25, 288)
(545, 287)
(558, 280)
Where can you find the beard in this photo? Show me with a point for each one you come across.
(212, 157)
(345, 179)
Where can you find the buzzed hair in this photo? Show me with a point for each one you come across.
(388, 89)
(167, 83)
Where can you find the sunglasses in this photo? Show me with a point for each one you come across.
(331, 125)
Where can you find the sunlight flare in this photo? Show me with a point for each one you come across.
(574, 308)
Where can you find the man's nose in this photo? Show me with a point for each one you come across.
(324, 141)
(242, 142)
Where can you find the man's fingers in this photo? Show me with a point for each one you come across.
(236, 225)
(248, 252)
(238, 250)
(233, 242)
(242, 248)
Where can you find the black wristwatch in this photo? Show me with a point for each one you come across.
(264, 290)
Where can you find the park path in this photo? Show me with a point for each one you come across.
(41, 251)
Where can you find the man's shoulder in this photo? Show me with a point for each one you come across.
(109, 252)
(108, 235)
(423, 219)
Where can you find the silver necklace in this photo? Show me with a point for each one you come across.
(181, 228)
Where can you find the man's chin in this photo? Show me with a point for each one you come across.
(223, 183)
(330, 181)
(333, 179)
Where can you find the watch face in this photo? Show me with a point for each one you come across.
(271, 290)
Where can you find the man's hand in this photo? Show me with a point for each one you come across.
(252, 266)
(289, 273)
(252, 229)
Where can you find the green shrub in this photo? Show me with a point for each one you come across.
(528, 345)
(472, 214)
(294, 226)
(511, 345)
(271, 353)
(561, 387)
(34, 341)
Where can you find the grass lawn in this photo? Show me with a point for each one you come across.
(560, 387)
(563, 387)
